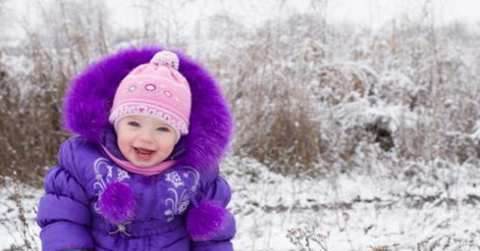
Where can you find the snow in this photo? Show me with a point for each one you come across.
(352, 211)
(15, 231)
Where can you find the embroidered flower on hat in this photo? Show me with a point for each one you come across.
(132, 88)
(150, 87)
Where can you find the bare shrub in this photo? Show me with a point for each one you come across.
(284, 133)
(18, 215)
(447, 242)
(307, 238)
(273, 108)
(161, 23)
(67, 39)
(30, 130)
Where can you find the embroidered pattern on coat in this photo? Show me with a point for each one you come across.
(180, 193)
(105, 173)
(175, 179)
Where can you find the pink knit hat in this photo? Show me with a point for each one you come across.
(155, 89)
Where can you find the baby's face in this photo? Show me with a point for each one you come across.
(145, 141)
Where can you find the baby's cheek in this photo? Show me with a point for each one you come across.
(124, 146)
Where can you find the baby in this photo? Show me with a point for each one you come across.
(141, 173)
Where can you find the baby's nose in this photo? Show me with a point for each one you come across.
(146, 135)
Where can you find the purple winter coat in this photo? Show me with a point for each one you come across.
(91, 203)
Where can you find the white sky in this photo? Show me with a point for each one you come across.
(367, 13)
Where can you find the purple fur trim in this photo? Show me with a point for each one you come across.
(206, 220)
(89, 99)
(117, 202)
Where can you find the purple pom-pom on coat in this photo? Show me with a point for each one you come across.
(117, 202)
(206, 220)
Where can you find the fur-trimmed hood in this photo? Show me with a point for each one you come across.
(89, 99)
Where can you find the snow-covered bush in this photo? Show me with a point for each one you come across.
(305, 94)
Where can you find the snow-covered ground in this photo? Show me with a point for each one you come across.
(421, 208)
(414, 210)
(18, 229)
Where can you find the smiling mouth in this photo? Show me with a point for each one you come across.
(143, 154)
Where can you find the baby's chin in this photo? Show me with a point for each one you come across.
(145, 164)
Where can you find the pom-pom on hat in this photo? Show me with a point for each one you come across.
(155, 89)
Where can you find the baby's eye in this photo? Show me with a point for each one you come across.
(133, 123)
(163, 129)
